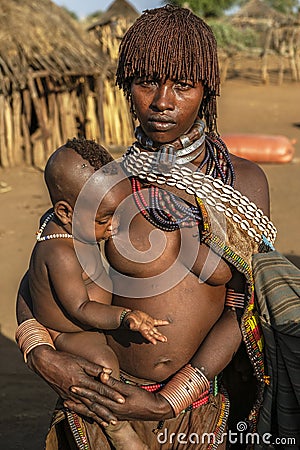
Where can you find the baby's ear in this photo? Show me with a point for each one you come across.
(63, 211)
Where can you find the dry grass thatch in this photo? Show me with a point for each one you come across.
(118, 9)
(257, 11)
(41, 36)
(54, 84)
(279, 34)
(109, 30)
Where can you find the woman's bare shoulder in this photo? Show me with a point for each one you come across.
(251, 181)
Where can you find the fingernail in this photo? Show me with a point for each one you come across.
(113, 422)
(74, 390)
(121, 400)
(104, 424)
(106, 370)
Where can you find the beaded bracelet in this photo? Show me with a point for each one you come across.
(185, 387)
(123, 315)
(31, 334)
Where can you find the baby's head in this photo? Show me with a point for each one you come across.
(67, 171)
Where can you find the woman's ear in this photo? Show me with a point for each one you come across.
(63, 211)
(132, 107)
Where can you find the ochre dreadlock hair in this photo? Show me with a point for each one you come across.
(92, 152)
(172, 43)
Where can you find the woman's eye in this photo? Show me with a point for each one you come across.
(184, 85)
(145, 82)
(148, 83)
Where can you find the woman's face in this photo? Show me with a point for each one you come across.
(166, 110)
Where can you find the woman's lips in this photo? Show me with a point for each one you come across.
(160, 124)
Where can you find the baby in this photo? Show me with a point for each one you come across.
(75, 306)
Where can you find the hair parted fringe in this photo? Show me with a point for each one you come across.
(172, 43)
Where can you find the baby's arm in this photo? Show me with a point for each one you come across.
(65, 274)
(146, 325)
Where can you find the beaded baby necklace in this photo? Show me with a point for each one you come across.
(39, 233)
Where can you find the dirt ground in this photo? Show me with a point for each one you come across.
(245, 106)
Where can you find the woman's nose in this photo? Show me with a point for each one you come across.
(163, 99)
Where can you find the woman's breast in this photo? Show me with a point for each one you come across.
(160, 258)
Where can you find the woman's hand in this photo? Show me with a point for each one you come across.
(139, 403)
(63, 370)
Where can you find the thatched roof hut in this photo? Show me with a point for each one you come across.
(113, 23)
(259, 13)
(52, 82)
(107, 34)
(117, 10)
(279, 35)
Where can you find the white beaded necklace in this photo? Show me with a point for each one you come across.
(216, 194)
(41, 238)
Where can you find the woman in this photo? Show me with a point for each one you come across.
(197, 216)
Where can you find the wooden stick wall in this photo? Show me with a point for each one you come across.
(37, 120)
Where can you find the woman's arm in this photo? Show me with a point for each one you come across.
(224, 339)
(214, 355)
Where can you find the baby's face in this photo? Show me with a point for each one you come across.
(95, 216)
(107, 219)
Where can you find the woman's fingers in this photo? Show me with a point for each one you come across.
(99, 389)
(104, 418)
(106, 384)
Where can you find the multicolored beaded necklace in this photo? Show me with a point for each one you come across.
(165, 210)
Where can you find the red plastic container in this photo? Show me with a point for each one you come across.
(261, 148)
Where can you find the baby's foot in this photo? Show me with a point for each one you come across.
(123, 437)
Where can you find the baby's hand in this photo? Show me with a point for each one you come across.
(146, 325)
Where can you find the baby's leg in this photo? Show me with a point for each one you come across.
(92, 345)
